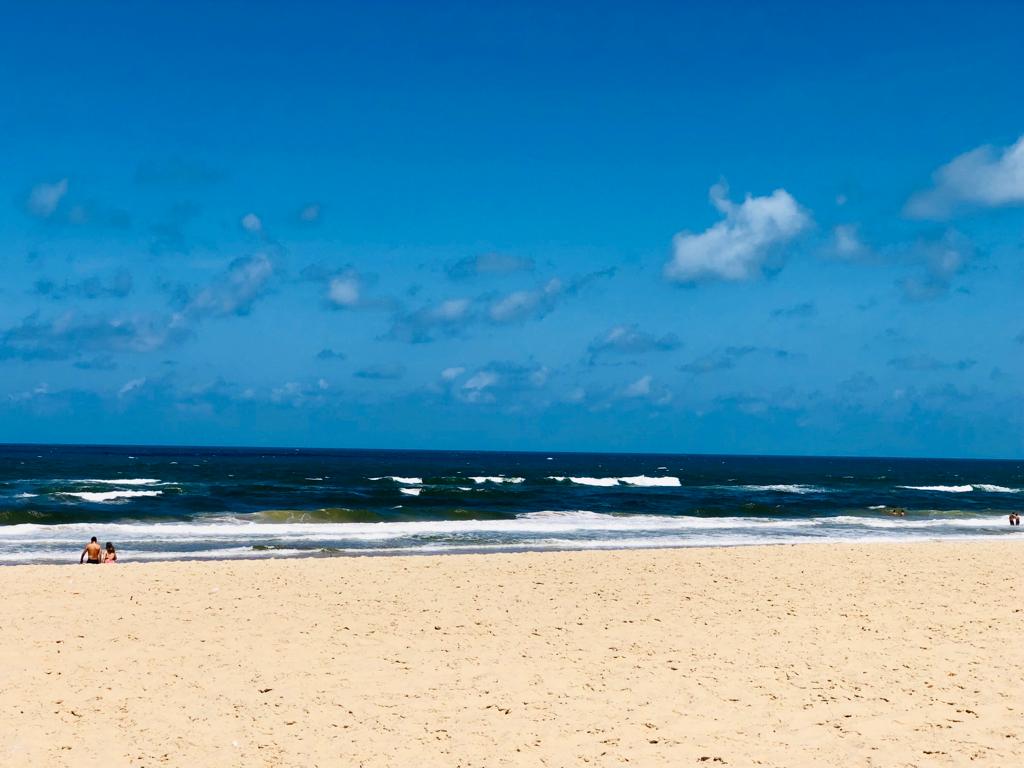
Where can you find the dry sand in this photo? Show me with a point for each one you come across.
(880, 655)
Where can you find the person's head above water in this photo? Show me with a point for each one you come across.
(110, 546)
(92, 540)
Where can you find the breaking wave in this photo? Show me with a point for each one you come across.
(783, 488)
(107, 497)
(640, 481)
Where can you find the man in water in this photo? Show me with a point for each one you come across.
(92, 550)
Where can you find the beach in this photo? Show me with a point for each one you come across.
(815, 654)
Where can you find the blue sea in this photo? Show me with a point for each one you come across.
(172, 503)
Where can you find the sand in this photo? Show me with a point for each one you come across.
(846, 655)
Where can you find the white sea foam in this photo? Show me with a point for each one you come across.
(639, 481)
(996, 488)
(783, 488)
(25, 495)
(411, 491)
(530, 522)
(939, 488)
(903, 523)
(601, 482)
(651, 482)
(480, 479)
(107, 497)
(123, 481)
(230, 537)
(401, 480)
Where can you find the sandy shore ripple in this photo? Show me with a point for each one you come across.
(852, 655)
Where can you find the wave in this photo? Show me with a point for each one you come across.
(904, 523)
(25, 495)
(651, 482)
(610, 482)
(401, 480)
(782, 488)
(289, 530)
(479, 480)
(107, 497)
(411, 491)
(996, 488)
(549, 521)
(603, 482)
(324, 515)
(285, 533)
(939, 488)
(123, 481)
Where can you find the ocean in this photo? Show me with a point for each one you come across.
(159, 503)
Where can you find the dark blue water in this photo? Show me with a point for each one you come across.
(215, 502)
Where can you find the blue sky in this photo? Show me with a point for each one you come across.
(730, 227)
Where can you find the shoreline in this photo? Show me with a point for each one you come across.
(851, 654)
(399, 552)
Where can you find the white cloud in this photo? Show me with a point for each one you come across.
(450, 374)
(130, 387)
(476, 387)
(520, 305)
(344, 290)
(847, 242)
(251, 223)
(736, 247)
(452, 309)
(449, 317)
(236, 290)
(481, 380)
(942, 261)
(40, 390)
(639, 388)
(44, 198)
(986, 176)
(630, 340)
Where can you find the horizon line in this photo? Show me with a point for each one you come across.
(278, 448)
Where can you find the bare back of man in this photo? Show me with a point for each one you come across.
(92, 552)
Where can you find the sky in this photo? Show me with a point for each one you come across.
(727, 227)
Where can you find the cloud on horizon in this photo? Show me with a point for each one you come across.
(717, 361)
(630, 340)
(71, 334)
